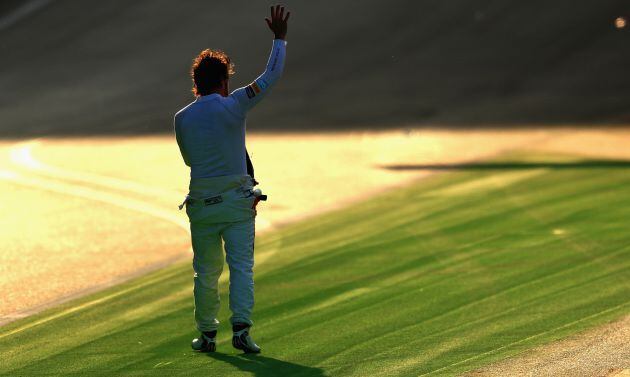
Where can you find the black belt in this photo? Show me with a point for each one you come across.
(211, 200)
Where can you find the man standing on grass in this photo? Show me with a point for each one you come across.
(221, 203)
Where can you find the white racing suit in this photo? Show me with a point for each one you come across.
(210, 133)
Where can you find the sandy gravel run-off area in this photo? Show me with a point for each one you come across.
(603, 351)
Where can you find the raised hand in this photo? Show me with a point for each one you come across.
(278, 22)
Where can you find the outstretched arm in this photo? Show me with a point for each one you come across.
(248, 96)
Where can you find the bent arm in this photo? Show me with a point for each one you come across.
(248, 96)
(178, 137)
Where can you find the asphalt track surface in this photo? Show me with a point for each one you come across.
(443, 276)
(78, 67)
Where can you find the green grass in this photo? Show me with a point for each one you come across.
(449, 274)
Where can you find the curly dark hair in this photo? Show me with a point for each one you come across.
(209, 68)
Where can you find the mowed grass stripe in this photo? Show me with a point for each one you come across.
(453, 272)
(437, 217)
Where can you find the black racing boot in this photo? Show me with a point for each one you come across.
(241, 339)
(206, 342)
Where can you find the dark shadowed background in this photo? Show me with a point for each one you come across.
(121, 67)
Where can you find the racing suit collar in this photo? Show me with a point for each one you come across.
(208, 97)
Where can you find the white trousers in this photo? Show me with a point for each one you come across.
(238, 238)
(229, 223)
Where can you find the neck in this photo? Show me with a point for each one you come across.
(222, 90)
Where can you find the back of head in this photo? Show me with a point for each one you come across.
(209, 69)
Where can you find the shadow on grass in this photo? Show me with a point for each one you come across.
(262, 366)
(585, 164)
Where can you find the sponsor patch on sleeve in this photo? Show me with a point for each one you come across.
(250, 92)
(256, 87)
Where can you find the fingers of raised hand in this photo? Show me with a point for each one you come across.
(278, 17)
(277, 12)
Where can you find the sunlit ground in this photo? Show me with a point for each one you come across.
(80, 214)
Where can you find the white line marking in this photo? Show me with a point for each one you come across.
(21, 155)
(96, 195)
(7, 174)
